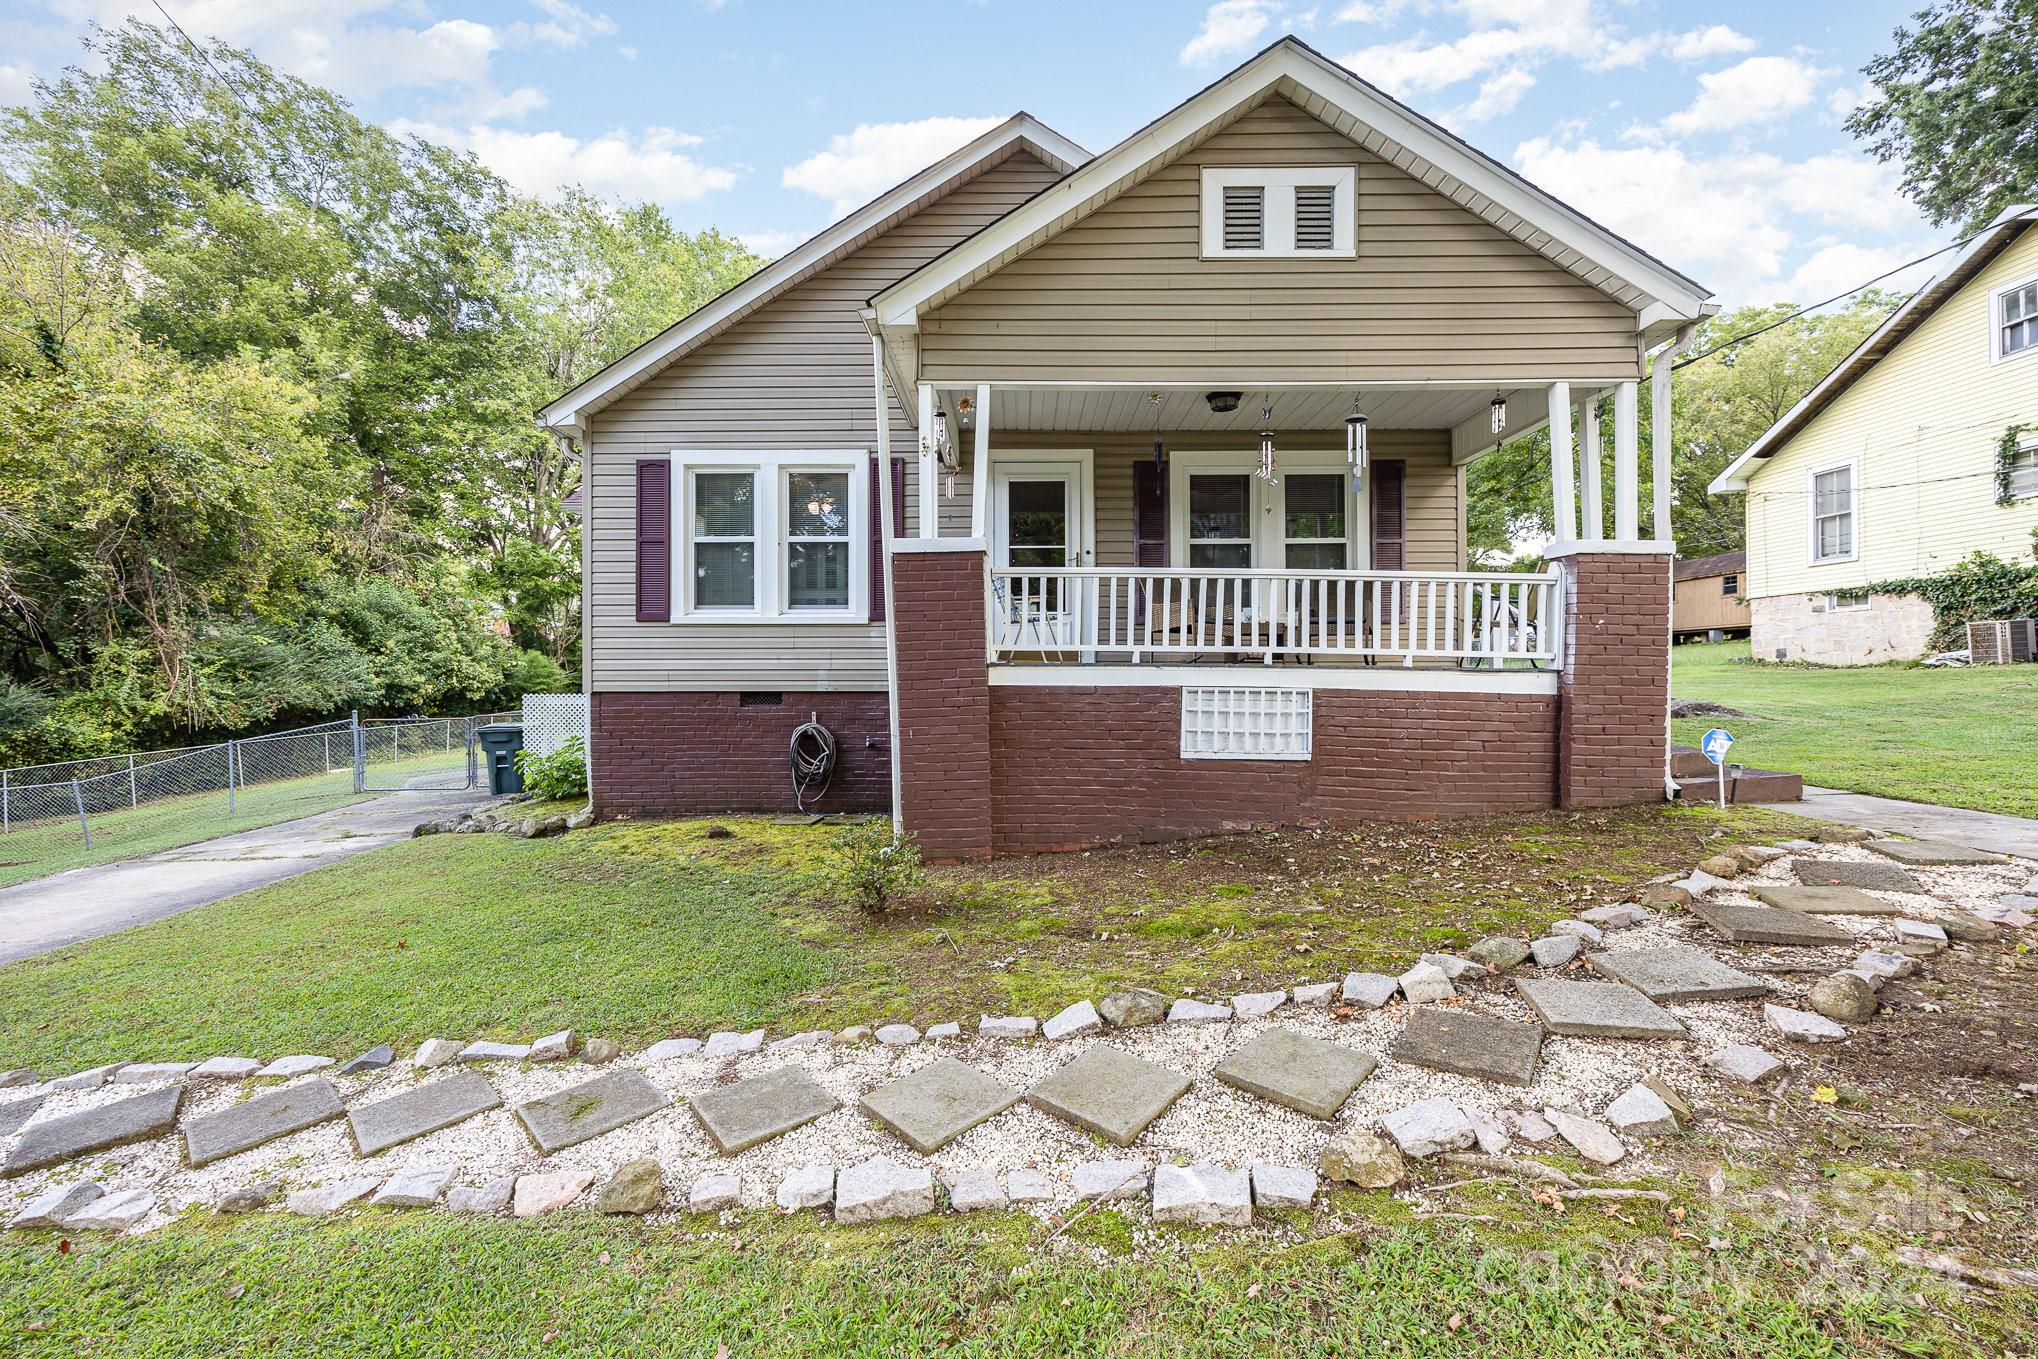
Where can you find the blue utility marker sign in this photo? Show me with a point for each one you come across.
(1716, 743)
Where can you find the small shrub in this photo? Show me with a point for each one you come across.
(561, 774)
(877, 867)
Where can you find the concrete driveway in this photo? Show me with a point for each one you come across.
(36, 917)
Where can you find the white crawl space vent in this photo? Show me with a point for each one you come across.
(1245, 724)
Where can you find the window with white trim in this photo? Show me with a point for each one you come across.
(1257, 212)
(2024, 468)
(1313, 521)
(773, 536)
(2014, 311)
(1833, 518)
(1246, 724)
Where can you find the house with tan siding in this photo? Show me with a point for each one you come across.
(1054, 499)
(1917, 451)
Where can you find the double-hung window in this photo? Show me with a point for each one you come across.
(1313, 527)
(1833, 514)
(2024, 469)
(774, 536)
(2013, 316)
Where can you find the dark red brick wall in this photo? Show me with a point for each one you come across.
(673, 754)
(945, 761)
(1087, 766)
(1616, 685)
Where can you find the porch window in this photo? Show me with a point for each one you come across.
(1220, 520)
(1314, 522)
(724, 540)
(1833, 514)
(817, 540)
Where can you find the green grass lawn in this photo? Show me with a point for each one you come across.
(1960, 738)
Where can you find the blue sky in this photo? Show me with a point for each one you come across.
(1709, 134)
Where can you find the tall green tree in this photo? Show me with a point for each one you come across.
(1956, 104)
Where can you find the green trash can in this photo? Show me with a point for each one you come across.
(500, 742)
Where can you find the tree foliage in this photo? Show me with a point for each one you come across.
(267, 376)
(1956, 103)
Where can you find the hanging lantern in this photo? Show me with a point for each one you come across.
(1499, 409)
(1355, 440)
(1266, 469)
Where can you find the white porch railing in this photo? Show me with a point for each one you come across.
(1073, 614)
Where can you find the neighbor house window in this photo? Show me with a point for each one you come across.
(1730, 585)
(1314, 521)
(767, 536)
(2015, 310)
(2024, 469)
(1833, 516)
(1286, 213)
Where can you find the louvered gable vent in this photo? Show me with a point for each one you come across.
(1245, 217)
(1315, 216)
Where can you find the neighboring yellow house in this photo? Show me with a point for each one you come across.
(1888, 469)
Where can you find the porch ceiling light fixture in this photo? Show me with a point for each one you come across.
(1355, 440)
(1499, 408)
(1222, 403)
(1266, 468)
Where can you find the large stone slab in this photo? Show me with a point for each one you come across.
(938, 1103)
(1673, 972)
(753, 1111)
(1932, 853)
(1470, 1045)
(14, 1113)
(1302, 1073)
(266, 1117)
(89, 1130)
(1823, 900)
(1586, 1009)
(1110, 1093)
(1875, 875)
(422, 1109)
(586, 1111)
(1769, 925)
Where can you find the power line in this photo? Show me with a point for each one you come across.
(1801, 311)
(199, 52)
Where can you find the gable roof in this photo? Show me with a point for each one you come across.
(1719, 564)
(1975, 256)
(1663, 297)
(1020, 132)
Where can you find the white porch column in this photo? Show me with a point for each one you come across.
(980, 469)
(1592, 523)
(1626, 451)
(1659, 441)
(930, 519)
(883, 510)
(1563, 491)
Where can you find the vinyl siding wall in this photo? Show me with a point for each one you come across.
(1922, 426)
(795, 374)
(1435, 292)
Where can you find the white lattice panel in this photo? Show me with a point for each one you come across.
(1246, 724)
(551, 720)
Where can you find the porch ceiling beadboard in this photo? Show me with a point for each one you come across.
(793, 374)
(1434, 290)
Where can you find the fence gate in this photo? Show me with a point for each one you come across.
(400, 754)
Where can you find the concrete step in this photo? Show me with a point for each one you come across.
(1688, 762)
(1754, 785)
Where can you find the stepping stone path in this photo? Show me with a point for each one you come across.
(1110, 1093)
(1370, 989)
(110, 1125)
(1110, 1180)
(1769, 925)
(424, 1108)
(1932, 853)
(1825, 900)
(1278, 1186)
(753, 1111)
(1429, 1128)
(14, 1113)
(1802, 1025)
(586, 1111)
(1674, 972)
(266, 1117)
(1594, 1141)
(1744, 1062)
(938, 1103)
(417, 1188)
(1298, 1072)
(1874, 875)
(881, 1188)
(1207, 1194)
(1469, 1044)
(1079, 1018)
(1597, 1009)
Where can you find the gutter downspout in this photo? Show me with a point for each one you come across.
(884, 473)
(1660, 412)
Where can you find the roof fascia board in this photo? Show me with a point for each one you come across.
(1021, 131)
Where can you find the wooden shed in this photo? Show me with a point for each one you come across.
(1708, 597)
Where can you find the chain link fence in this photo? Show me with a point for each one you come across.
(77, 812)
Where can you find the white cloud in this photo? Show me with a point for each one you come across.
(1503, 34)
(1369, 11)
(772, 244)
(1842, 265)
(1230, 29)
(568, 25)
(1497, 98)
(859, 165)
(652, 164)
(1716, 41)
(16, 84)
(1758, 90)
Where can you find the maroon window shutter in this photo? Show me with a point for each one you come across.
(1149, 514)
(654, 540)
(1390, 515)
(877, 530)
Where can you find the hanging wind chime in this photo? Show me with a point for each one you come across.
(1266, 467)
(1160, 448)
(1499, 408)
(1355, 443)
(938, 444)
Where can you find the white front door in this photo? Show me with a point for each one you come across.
(1039, 520)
